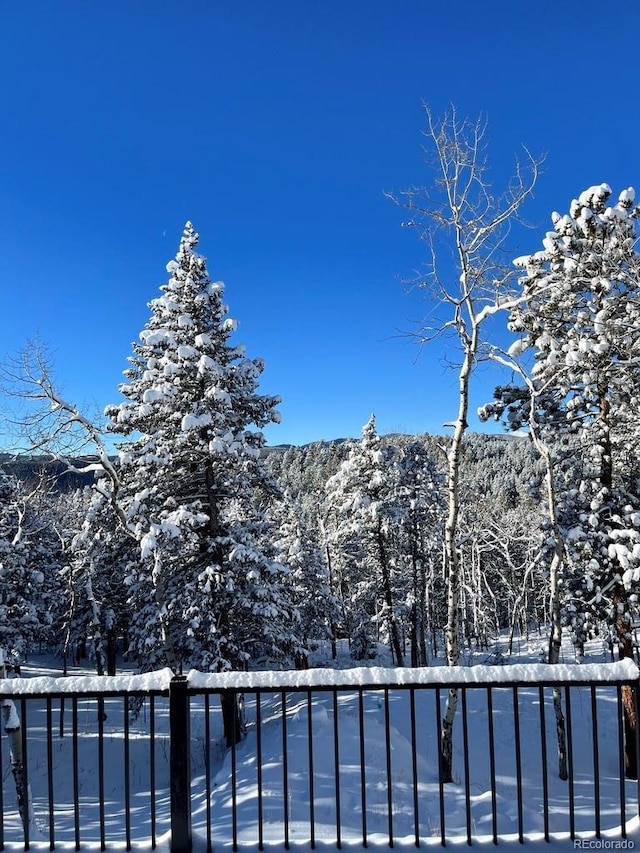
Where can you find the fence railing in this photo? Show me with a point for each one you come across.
(327, 757)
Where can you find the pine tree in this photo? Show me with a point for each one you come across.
(579, 321)
(28, 567)
(205, 592)
(361, 496)
(308, 583)
(419, 506)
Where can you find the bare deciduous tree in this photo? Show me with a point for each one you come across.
(465, 225)
(43, 421)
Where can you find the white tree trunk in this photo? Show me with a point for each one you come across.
(452, 565)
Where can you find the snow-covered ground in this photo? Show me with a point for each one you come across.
(380, 715)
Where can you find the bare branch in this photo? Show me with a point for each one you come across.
(49, 424)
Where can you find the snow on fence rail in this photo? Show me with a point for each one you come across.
(326, 757)
(447, 676)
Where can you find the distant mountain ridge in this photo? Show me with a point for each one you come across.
(30, 468)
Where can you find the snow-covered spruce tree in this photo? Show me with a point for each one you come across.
(205, 592)
(297, 545)
(361, 497)
(302, 474)
(579, 321)
(419, 502)
(28, 567)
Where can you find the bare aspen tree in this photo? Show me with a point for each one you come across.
(464, 224)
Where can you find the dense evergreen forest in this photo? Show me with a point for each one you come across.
(356, 527)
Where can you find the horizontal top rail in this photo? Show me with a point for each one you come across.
(618, 672)
(91, 685)
(158, 682)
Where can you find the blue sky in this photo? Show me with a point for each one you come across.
(276, 127)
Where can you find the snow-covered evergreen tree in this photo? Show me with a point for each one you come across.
(193, 488)
(361, 497)
(579, 319)
(298, 546)
(419, 510)
(99, 556)
(28, 567)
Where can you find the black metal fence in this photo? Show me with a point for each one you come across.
(340, 757)
(93, 765)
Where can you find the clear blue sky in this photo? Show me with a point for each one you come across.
(275, 127)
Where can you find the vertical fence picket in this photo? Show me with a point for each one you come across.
(465, 750)
(363, 767)
(127, 773)
(285, 770)
(387, 741)
(516, 727)
(596, 760)
(443, 832)
(152, 768)
(623, 795)
(27, 806)
(207, 767)
(259, 770)
(492, 765)
(50, 794)
(414, 767)
(336, 760)
(101, 808)
(76, 779)
(234, 785)
(569, 734)
(312, 814)
(543, 756)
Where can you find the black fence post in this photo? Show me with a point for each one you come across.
(180, 765)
